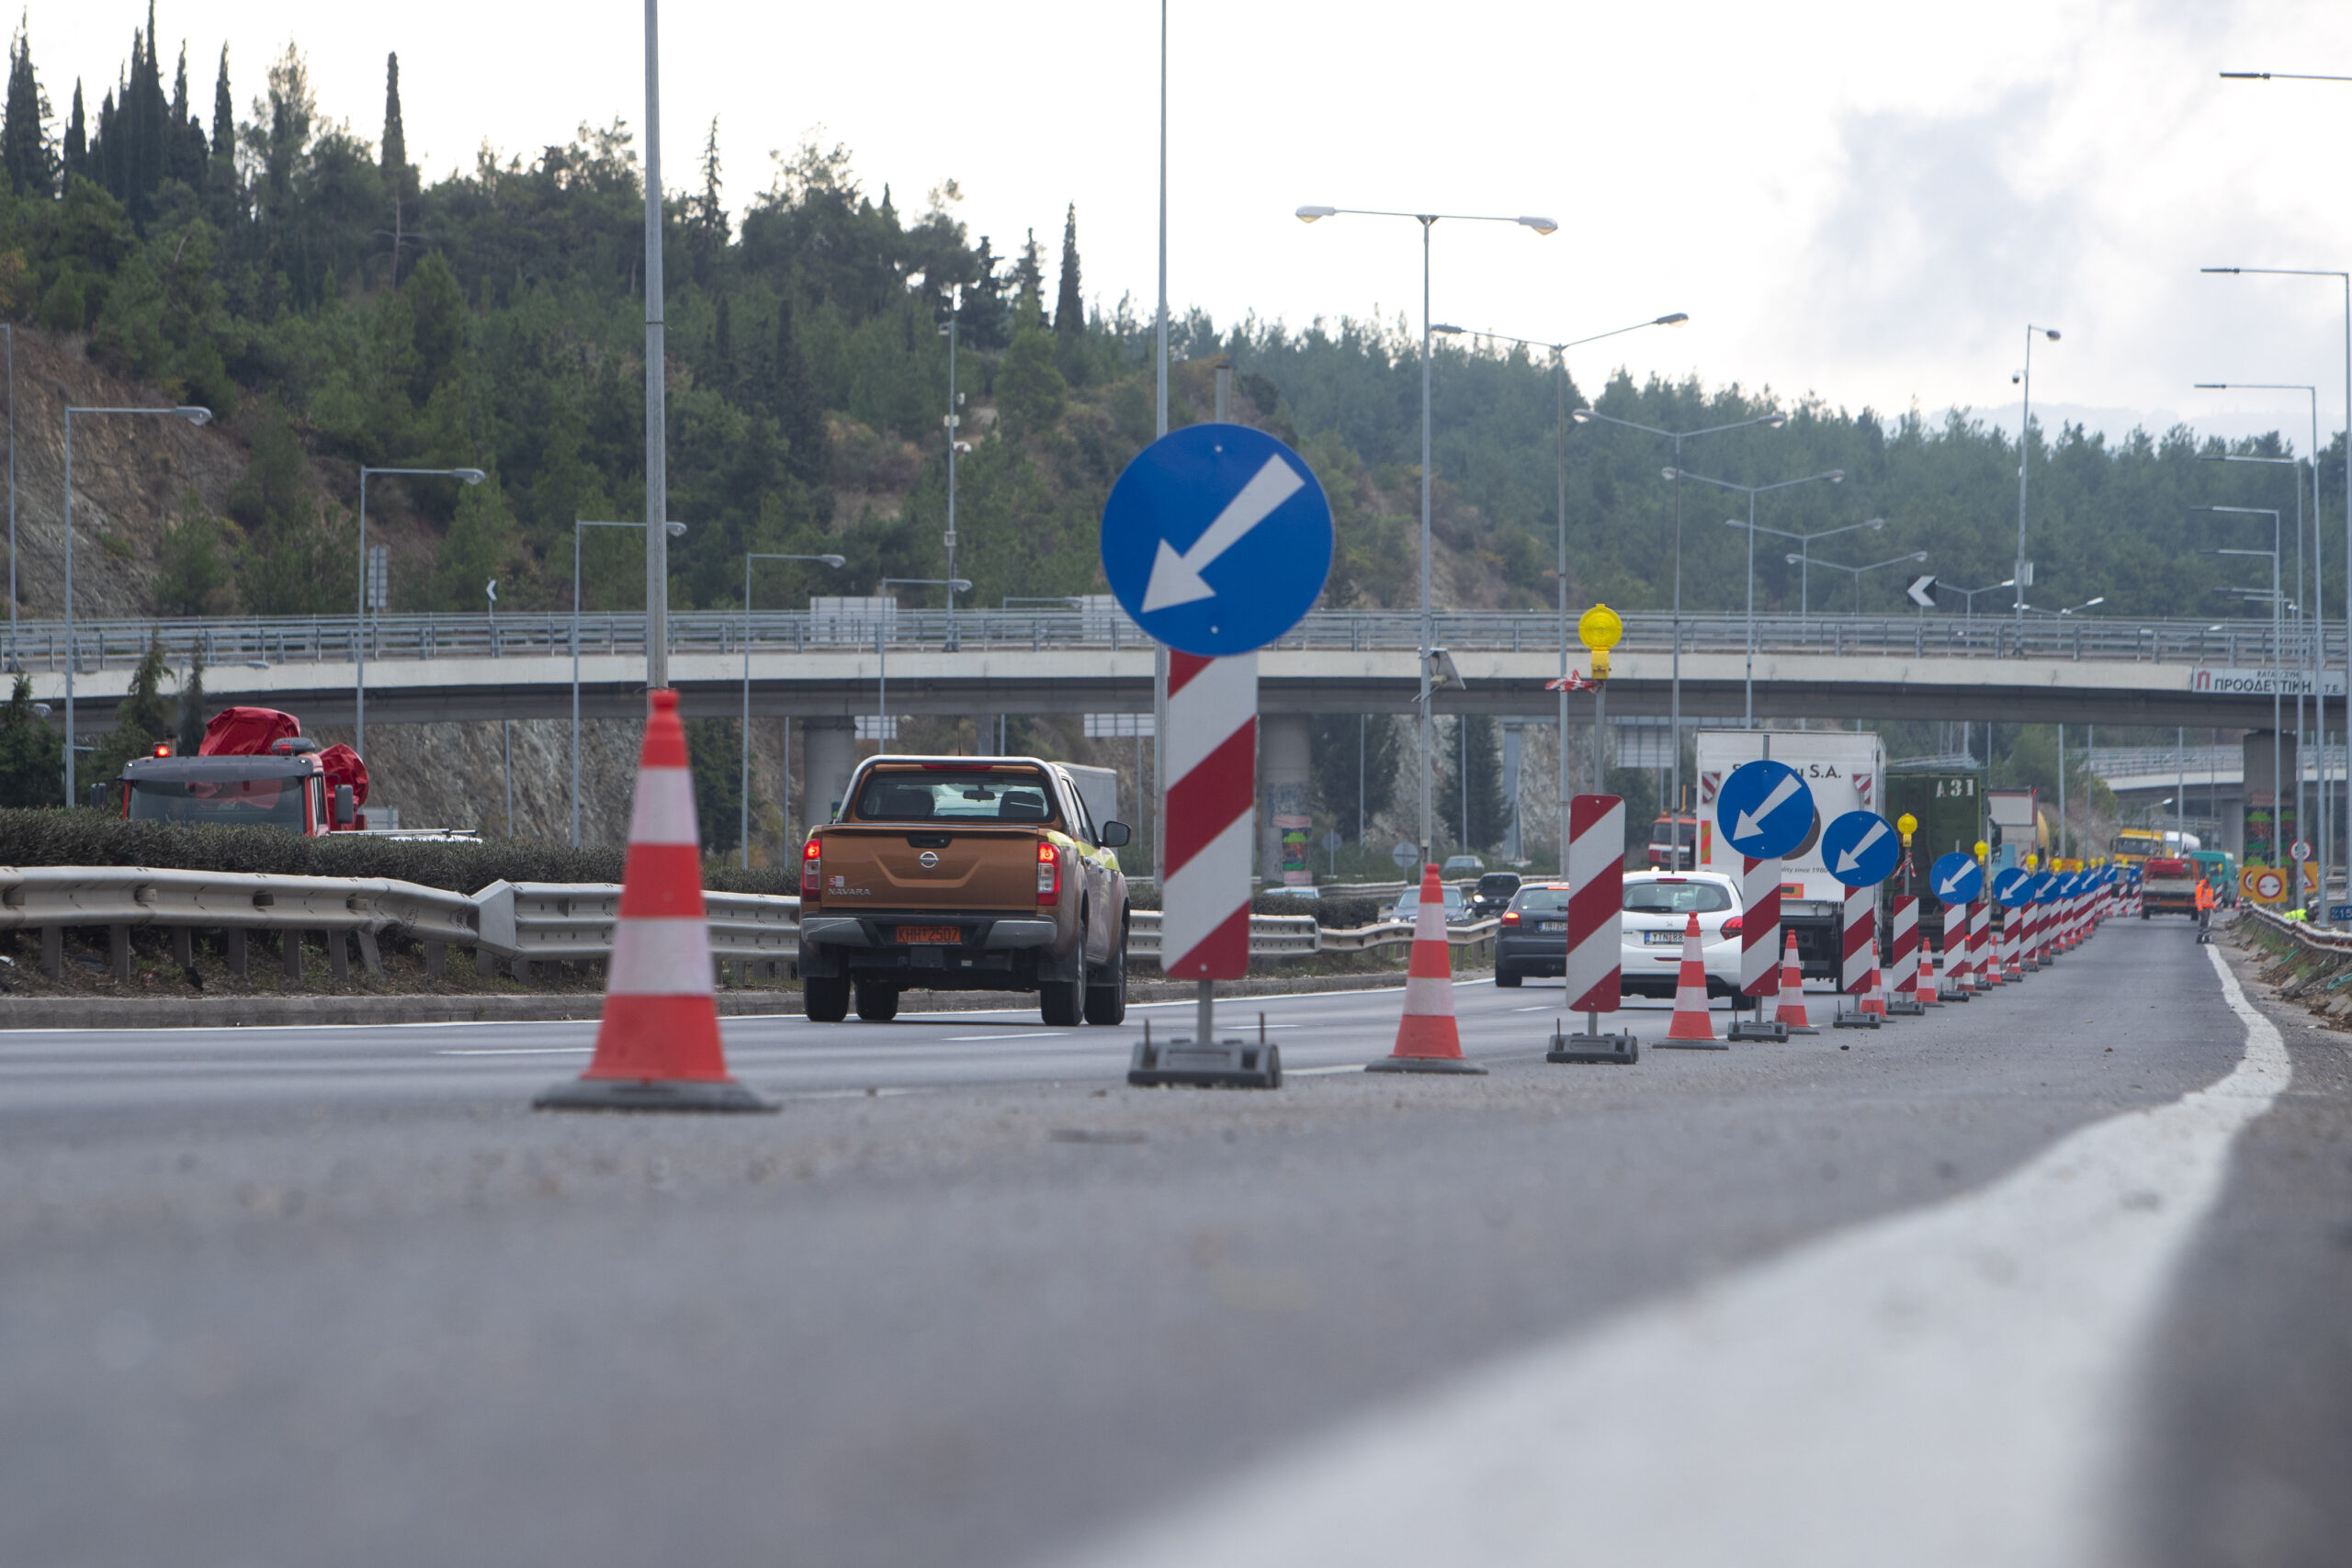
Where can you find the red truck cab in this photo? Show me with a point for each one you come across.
(255, 769)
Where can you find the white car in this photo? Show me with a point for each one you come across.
(1657, 910)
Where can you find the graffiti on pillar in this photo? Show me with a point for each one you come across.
(2270, 828)
(1287, 805)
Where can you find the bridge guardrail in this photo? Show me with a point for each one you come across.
(266, 641)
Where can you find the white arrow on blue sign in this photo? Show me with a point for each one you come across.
(1764, 809)
(2009, 887)
(1216, 539)
(1860, 849)
(1957, 878)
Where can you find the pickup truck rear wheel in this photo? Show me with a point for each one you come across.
(1062, 1003)
(876, 1002)
(825, 1000)
(1106, 999)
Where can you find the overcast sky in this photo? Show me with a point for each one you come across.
(1863, 202)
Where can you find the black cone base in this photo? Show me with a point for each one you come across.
(652, 1094)
(1424, 1065)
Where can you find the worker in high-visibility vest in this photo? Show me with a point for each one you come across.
(2204, 910)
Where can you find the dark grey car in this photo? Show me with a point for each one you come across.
(1533, 937)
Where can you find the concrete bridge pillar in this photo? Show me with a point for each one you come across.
(1285, 792)
(2269, 819)
(829, 753)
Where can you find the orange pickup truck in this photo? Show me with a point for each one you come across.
(964, 874)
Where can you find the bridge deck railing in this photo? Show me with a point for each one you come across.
(262, 642)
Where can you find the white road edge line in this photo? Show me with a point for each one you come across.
(1951, 1385)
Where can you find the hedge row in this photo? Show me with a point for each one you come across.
(83, 837)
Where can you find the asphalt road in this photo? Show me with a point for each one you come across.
(293, 1296)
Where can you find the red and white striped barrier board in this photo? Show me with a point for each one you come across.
(1759, 927)
(1211, 766)
(1957, 969)
(1596, 903)
(1903, 961)
(1859, 946)
(1983, 958)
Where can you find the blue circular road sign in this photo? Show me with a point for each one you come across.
(1216, 539)
(2009, 887)
(1957, 878)
(2043, 888)
(1764, 809)
(1860, 849)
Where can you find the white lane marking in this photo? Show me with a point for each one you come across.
(518, 1051)
(1947, 1386)
(1320, 1072)
(1033, 1034)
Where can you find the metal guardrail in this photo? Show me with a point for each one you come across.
(558, 921)
(266, 642)
(2319, 939)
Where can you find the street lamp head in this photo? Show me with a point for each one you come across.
(1445, 329)
(1836, 476)
(2051, 333)
(1310, 214)
(673, 529)
(1793, 560)
(1676, 320)
(960, 585)
(836, 562)
(2221, 269)
(1874, 522)
(1922, 555)
(1540, 225)
(2213, 386)
(195, 416)
(1581, 416)
(1669, 473)
(1773, 421)
(2094, 604)
(472, 476)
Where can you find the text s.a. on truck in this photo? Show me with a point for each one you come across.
(964, 874)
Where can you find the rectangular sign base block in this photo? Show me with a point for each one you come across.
(1229, 1063)
(1757, 1029)
(1907, 1007)
(1855, 1020)
(1618, 1050)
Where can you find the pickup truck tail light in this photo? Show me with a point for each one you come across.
(813, 869)
(1049, 875)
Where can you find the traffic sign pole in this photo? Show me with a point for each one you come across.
(1763, 810)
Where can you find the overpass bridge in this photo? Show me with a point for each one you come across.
(825, 667)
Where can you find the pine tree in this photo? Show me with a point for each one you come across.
(1029, 276)
(32, 755)
(1069, 308)
(1471, 764)
(77, 146)
(707, 221)
(192, 705)
(24, 132)
(1336, 744)
(400, 174)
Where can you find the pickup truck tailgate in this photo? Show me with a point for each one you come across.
(966, 869)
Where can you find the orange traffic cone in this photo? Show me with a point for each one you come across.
(1693, 1026)
(1926, 995)
(657, 1047)
(1791, 1009)
(1874, 989)
(1427, 1038)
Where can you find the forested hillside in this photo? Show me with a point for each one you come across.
(248, 250)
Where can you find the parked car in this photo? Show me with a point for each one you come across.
(1409, 906)
(1295, 890)
(1462, 865)
(1658, 908)
(1493, 893)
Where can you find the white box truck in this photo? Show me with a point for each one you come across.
(1844, 769)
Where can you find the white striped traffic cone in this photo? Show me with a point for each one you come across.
(1926, 995)
(1693, 1023)
(657, 1047)
(1874, 989)
(1428, 1038)
(1791, 1009)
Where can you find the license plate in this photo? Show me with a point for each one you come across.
(930, 933)
(1662, 939)
(1551, 925)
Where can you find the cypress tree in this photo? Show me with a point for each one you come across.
(398, 176)
(799, 416)
(24, 132)
(1069, 308)
(220, 172)
(1029, 274)
(77, 148)
(185, 147)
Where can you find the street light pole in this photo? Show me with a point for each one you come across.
(1429, 634)
(189, 413)
(1560, 450)
(359, 642)
(1856, 571)
(1674, 698)
(882, 650)
(744, 787)
(1747, 681)
(669, 530)
(657, 472)
(2277, 761)
(2024, 447)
